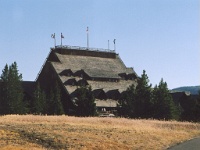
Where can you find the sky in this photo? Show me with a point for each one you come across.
(161, 37)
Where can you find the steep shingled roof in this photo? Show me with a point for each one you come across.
(92, 63)
(122, 85)
(102, 72)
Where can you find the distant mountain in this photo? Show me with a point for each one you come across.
(194, 90)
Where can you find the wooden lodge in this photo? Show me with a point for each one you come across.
(101, 69)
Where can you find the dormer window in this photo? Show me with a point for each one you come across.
(71, 82)
(82, 82)
(66, 72)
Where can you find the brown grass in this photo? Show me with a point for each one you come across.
(63, 132)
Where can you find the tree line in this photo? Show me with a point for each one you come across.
(141, 101)
(14, 101)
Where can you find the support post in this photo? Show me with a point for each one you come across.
(108, 45)
(114, 44)
(61, 38)
(87, 37)
(54, 37)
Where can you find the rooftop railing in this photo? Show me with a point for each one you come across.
(85, 48)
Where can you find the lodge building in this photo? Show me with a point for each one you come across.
(103, 70)
(72, 67)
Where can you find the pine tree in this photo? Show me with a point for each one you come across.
(136, 100)
(39, 101)
(54, 104)
(58, 107)
(50, 103)
(15, 91)
(143, 97)
(12, 92)
(163, 104)
(85, 102)
(4, 91)
(128, 102)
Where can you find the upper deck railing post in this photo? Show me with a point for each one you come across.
(84, 48)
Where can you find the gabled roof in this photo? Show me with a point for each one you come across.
(122, 85)
(101, 67)
(97, 70)
(98, 73)
(92, 63)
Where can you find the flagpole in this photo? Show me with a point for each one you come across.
(114, 44)
(55, 39)
(61, 38)
(108, 45)
(87, 37)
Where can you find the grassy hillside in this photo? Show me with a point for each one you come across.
(192, 89)
(63, 132)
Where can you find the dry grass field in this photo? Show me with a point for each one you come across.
(63, 132)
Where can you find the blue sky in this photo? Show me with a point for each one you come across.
(159, 36)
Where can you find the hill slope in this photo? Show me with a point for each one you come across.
(192, 89)
(64, 132)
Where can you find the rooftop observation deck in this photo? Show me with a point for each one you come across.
(84, 51)
(83, 48)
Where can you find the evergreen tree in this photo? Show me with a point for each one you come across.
(4, 91)
(58, 107)
(85, 102)
(55, 106)
(136, 101)
(15, 91)
(143, 97)
(39, 101)
(12, 92)
(50, 103)
(128, 102)
(163, 104)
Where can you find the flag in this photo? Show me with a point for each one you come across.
(53, 36)
(62, 36)
(114, 41)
